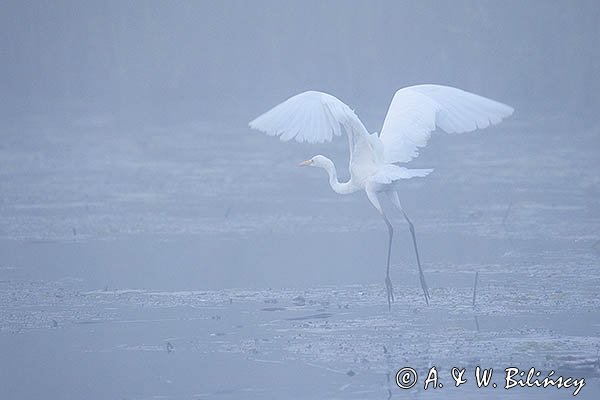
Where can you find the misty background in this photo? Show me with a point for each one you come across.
(228, 60)
(152, 245)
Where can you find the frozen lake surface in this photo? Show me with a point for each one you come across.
(173, 260)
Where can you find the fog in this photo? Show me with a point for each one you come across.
(231, 59)
(152, 245)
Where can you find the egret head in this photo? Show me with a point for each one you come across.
(316, 161)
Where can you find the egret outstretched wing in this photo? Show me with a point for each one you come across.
(416, 111)
(313, 117)
(316, 117)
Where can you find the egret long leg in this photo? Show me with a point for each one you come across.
(372, 195)
(411, 227)
(388, 281)
(421, 276)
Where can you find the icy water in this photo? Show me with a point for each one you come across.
(186, 260)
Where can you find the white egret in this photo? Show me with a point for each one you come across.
(414, 113)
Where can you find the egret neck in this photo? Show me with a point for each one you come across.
(337, 186)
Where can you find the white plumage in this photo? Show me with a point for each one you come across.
(312, 117)
(414, 113)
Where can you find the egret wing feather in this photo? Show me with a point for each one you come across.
(390, 173)
(416, 111)
(313, 117)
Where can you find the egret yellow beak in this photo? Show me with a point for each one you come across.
(305, 163)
